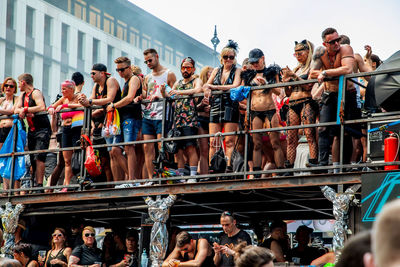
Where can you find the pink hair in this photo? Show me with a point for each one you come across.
(68, 83)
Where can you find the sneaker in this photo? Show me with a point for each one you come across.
(147, 184)
(124, 186)
(191, 181)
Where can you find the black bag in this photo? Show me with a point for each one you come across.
(283, 112)
(237, 161)
(76, 161)
(219, 160)
(172, 146)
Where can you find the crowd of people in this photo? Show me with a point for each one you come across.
(141, 113)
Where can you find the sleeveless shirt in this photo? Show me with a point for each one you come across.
(154, 110)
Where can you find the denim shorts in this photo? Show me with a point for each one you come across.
(130, 129)
(151, 127)
(115, 139)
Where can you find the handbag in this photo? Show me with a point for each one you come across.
(237, 160)
(219, 160)
(111, 125)
(76, 162)
(92, 161)
(172, 146)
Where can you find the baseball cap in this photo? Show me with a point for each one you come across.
(100, 67)
(255, 55)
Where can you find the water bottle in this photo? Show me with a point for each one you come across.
(145, 260)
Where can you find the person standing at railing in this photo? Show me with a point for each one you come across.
(332, 60)
(302, 108)
(224, 113)
(130, 113)
(8, 88)
(30, 102)
(186, 116)
(72, 124)
(263, 109)
(105, 90)
(154, 89)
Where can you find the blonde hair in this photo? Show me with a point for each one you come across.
(252, 256)
(203, 74)
(89, 228)
(310, 48)
(225, 51)
(136, 70)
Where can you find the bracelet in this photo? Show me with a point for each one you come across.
(90, 101)
(64, 106)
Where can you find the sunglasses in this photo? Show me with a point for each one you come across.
(186, 68)
(93, 73)
(148, 61)
(121, 69)
(298, 53)
(332, 42)
(227, 213)
(9, 86)
(58, 235)
(228, 57)
(91, 234)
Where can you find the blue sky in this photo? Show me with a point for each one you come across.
(273, 26)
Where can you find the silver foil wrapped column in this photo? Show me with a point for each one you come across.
(341, 203)
(159, 213)
(9, 219)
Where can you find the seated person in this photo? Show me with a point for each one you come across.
(277, 242)
(189, 252)
(131, 256)
(304, 254)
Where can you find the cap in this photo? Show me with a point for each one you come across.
(305, 228)
(100, 67)
(255, 55)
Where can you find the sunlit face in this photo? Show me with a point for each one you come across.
(151, 60)
(131, 244)
(123, 70)
(187, 69)
(259, 65)
(301, 55)
(188, 247)
(58, 237)
(9, 88)
(228, 59)
(67, 91)
(96, 75)
(21, 85)
(332, 42)
(277, 233)
(228, 224)
(88, 237)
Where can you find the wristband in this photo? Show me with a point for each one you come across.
(64, 106)
(90, 101)
(25, 109)
(50, 107)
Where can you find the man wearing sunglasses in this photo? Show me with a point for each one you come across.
(232, 236)
(332, 60)
(130, 113)
(185, 117)
(154, 89)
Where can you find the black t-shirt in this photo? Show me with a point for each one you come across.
(231, 242)
(133, 258)
(304, 257)
(87, 256)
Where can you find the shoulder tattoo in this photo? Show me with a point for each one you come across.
(319, 52)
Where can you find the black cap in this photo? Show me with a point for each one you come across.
(99, 67)
(255, 55)
(305, 228)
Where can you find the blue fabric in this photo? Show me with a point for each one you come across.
(239, 93)
(5, 162)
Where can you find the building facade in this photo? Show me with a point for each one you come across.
(51, 39)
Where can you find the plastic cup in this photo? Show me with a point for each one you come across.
(176, 263)
(42, 253)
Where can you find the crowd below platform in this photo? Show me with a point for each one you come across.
(134, 112)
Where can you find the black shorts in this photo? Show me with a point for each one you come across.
(4, 133)
(71, 136)
(204, 122)
(39, 140)
(223, 109)
(187, 131)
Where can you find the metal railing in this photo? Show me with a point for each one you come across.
(86, 129)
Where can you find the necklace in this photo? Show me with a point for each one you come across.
(332, 62)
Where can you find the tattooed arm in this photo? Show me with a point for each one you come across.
(316, 63)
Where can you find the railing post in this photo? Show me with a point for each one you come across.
(15, 137)
(341, 99)
(85, 130)
(246, 137)
(161, 150)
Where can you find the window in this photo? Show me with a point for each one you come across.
(28, 63)
(158, 47)
(30, 14)
(10, 14)
(9, 63)
(110, 56)
(80, 9)
(108, 24)
(145, 42)
(178, 59)
(124, 54)
(122, 31)
(134, 36)
(169, 56)
(47, 29)
(46, 78)
(96, 48)
(81, 45)
(94, 16)
(64, 38)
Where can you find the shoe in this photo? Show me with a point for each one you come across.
(191, 181)
(124, 186)
(147, 184)
(64, 190)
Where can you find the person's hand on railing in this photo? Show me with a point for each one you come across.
(59, 107)
(83, 100)
(153, 98)
(22, 113)
(51, 110)
(174, 92)
(288, 75)
(137, 99)
(110, 107)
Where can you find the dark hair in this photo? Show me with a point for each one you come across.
(354, 250)
(376, 59)
(228, 214)
(24, 248)
(26, 77)
(183, 238)
(150, 51)
(132, 233)
(190, 60)
(123, 60)
(344, 39)
(327, 31)
(77, 77)
(252, 256)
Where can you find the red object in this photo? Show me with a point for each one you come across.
(391, 151)
(92, 162)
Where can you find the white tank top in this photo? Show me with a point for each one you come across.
(154, 111)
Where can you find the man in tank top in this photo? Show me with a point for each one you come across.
(154, 89)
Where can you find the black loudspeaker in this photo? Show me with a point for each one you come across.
(376, 140)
